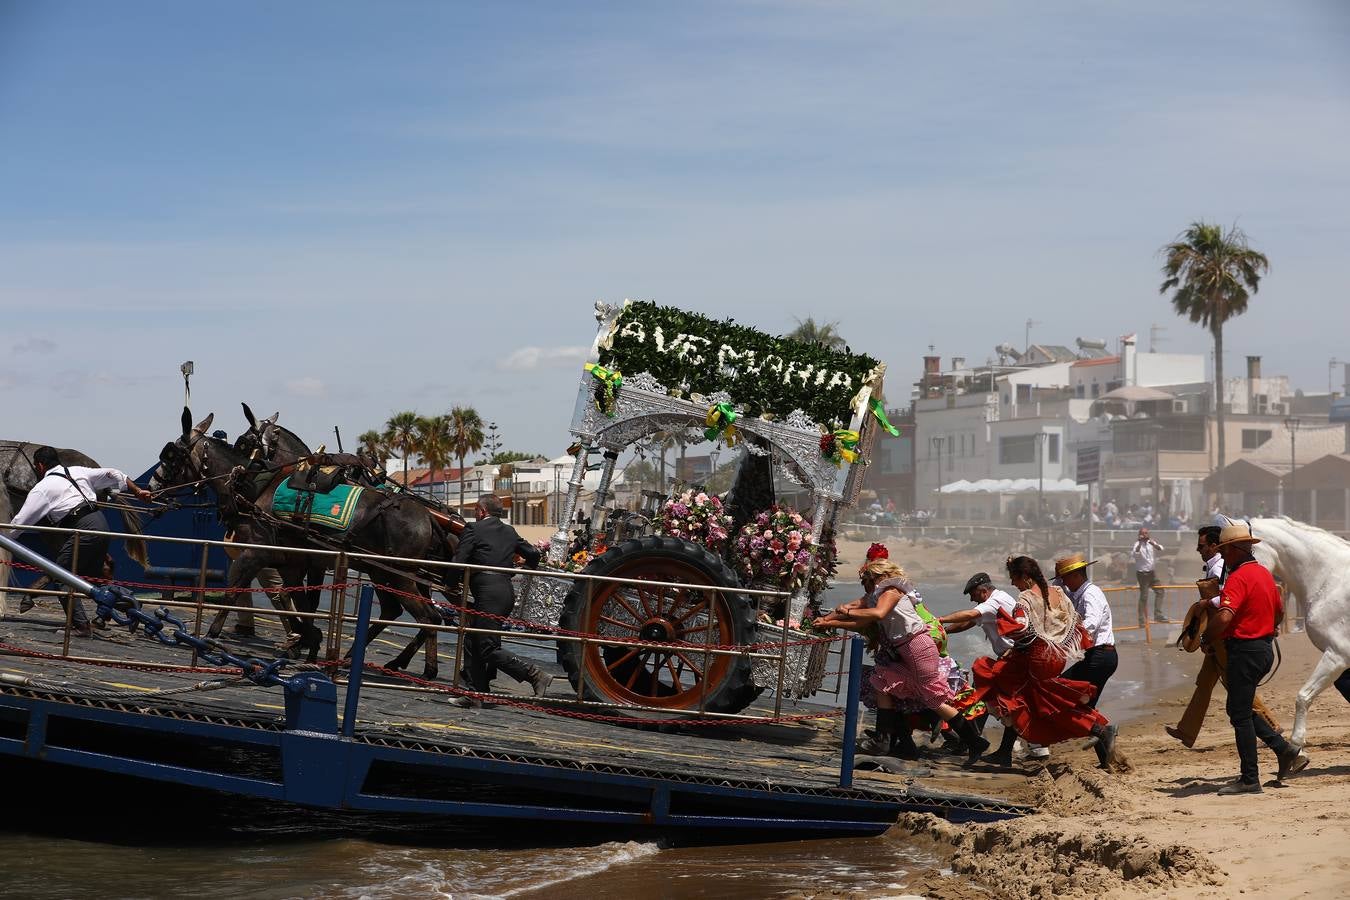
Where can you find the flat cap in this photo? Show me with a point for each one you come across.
(979, 579)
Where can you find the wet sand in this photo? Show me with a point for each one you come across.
(1160, 830)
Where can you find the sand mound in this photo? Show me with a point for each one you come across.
(1042, 857)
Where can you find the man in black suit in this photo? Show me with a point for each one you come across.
(491, 542)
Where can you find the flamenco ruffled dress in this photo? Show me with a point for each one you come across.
(1023, 687)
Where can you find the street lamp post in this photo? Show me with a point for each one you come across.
(936, 442)
(1291, 424)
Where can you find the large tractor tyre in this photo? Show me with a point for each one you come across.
(663, 677)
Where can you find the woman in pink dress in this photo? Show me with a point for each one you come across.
(906, 656)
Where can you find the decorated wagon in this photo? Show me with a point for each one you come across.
(794, 411)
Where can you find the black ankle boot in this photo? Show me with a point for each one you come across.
(975, 742)
(902, 743)
(879, 744)
(1003, 755)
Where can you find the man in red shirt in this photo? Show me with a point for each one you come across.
(1247, 620)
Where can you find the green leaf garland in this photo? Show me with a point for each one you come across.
(765, 375)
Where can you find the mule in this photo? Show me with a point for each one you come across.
(386, 525)
(1313, 564)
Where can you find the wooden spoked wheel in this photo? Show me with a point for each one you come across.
(698, 607)
(658, 676)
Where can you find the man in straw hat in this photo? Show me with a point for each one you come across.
(1099, 661)
(1246, 621)
(1187, 730)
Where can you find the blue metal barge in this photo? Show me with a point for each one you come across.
(371, 743)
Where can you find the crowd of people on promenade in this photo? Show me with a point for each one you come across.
(1052, 654)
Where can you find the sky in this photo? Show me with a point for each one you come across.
(341, 210)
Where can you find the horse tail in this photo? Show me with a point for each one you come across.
(137, 548)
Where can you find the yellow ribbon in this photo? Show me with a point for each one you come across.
(845, 446)
(610, 381)
(719, 421)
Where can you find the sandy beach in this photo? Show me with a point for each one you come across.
(1159, 829)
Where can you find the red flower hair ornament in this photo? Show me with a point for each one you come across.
(878, 551)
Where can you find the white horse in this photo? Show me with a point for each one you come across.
(1315, 566)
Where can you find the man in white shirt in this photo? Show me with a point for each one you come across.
(67, 497)
(1145, 556)
(1099, 661)
(988, 601)
(1211, 561)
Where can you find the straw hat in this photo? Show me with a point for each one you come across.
(1237, 533)
(1195, 624)
(1071, 563)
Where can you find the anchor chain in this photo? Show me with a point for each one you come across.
(119, 605)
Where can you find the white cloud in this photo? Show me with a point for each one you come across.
(308, 386)
(527, 358)
(34, 345)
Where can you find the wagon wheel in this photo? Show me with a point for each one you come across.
(666, 677)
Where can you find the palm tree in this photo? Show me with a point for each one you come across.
(400, 433)
(466, 436)
(1213, 273)
(371, 443)
(824, 335)
(433, 445)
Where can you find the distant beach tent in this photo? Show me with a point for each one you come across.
(1014, 486)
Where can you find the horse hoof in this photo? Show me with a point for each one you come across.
(429, 673)
(396, 664)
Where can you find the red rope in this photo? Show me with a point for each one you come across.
(500, 700)
(467, 610)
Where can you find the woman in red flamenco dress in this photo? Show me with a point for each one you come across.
(1023, 687)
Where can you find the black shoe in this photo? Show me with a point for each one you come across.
(1292, 763)
(85, 631)
(1106, 745)
(1241, 787)
(877, 744)
(539, 681)
(100, 623)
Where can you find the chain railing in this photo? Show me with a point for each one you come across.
(343, 594)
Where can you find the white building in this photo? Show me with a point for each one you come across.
(1006, 423)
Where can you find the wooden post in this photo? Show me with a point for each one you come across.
(71, 599)
(337, 606)
(201, 598)
(463, 623)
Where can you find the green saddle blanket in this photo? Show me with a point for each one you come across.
(331, 509)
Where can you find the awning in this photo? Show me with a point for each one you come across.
(1133, 393)
(1014, 486)
(531, 504)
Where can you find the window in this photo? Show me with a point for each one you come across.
(1052, 448)
(1080, 391)
(1019, 449)
(1184, 434)
(1024, 393)
(1254, 437)
(1096, 390)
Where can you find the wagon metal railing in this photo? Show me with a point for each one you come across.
(343, 593)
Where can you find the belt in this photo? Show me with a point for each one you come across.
(75, 515)
(1268, 637)
(1102, 647)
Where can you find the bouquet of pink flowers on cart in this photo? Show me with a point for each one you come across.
(697, 517)
(776, 550)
